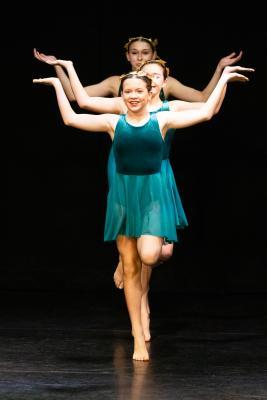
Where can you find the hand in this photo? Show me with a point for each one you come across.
(229, 60)
(46, 81)
(51, 60)
(44, 58)
(232, 74)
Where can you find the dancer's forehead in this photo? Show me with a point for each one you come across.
(153, 68)
(140, 46)
(151, 43)
(134, 82)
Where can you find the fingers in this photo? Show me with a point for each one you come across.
(232, 54)
(39, 56)
(36, 53)
(241, 76)
(234, 68)
(238, 57)
(239, 68)
(41, 80)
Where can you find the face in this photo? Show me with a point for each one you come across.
(135, 94)
(156, 73)
(139, 52)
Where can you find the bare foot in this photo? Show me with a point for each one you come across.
(118, 276)
(140, 350)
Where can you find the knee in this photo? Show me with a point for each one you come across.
(149, 256)
(131, 266)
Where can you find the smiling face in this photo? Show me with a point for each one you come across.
(139, 52)
(135, 93)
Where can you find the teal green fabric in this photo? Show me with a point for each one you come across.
(170, 133)
(138, 150)
(147, 202)
(166, 150)
(162, 95)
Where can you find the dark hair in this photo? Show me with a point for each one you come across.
(152, 42)
(136, 74)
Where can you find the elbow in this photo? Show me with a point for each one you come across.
(82, 104)
(208, 115)
(68, 121)
(71, 97)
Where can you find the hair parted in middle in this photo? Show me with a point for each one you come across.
(159, 61)
(136, 74)
(152, 42)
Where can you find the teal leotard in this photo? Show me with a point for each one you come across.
(142, 198)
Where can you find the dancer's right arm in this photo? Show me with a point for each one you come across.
(113, 105)
(107, 87)
(87, 122)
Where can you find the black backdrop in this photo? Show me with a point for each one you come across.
(57, 181)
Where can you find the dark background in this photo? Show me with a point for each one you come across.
(57, 180)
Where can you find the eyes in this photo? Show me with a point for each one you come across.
(145, 52)
(154, 76)
(138, 91)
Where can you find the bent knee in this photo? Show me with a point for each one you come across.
(149, 257)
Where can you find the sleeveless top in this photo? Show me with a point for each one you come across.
(138, 149)
(143, 198)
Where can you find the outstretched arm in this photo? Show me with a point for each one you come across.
(177, 90)
(87, 122)
(107, 87)
(184, 119)
(113, 105)
(61, 74)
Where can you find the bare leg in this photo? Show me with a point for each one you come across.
(133, 292)
(149, 248)
(118, 275)
(145, 310)
(166, 253)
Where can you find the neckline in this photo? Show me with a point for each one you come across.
(157, 109)
(143, 122)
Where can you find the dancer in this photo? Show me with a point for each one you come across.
(140, 211)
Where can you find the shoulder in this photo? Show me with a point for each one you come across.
(170, 84)
(114, 82)
(114, 79)
(161, 116)
(172, 81)
(175, 105)
(107, 87)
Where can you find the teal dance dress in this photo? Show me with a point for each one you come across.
(142, 198)
(167, 171)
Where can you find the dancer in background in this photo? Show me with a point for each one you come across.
(138, 50)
